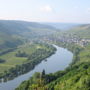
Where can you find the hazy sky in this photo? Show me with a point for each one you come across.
(46, 10)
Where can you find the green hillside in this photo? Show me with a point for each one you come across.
(83, 31)
(23, 28)
(8, 41)
(12, 32)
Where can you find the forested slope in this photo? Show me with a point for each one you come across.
(13, 33)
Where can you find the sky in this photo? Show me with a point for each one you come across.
(68, 11)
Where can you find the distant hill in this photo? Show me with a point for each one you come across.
(82, 31)
(25, 28)
(12, 32)
(63, 26)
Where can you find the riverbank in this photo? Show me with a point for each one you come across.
(58, 61)
(75, 77)
(32, 58)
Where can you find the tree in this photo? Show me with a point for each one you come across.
(43, 74)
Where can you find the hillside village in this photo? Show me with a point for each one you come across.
(69, 39)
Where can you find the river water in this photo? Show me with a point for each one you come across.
(59, 61)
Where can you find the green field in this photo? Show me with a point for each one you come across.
(11, 60)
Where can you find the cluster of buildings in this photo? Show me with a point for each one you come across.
(68, 39)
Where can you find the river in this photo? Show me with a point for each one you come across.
(59, 61)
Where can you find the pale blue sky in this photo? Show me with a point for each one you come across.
(76, 11)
